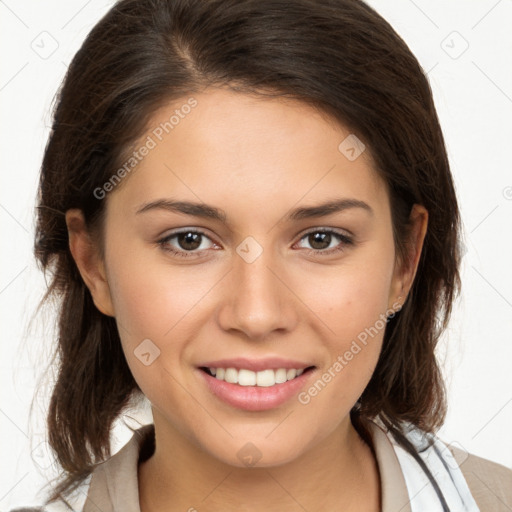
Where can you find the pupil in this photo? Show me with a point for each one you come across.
(321, 239)
(189, 240)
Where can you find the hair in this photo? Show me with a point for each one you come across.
(338, 56)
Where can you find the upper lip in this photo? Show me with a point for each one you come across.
(256, 365)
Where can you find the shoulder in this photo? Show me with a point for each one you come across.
(73, 503)
(490, 483)
(27, 509)
(113, 483)
(464, 480)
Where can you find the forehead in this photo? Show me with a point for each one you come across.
(236, 149)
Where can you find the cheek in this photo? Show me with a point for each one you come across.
(350, 309)
(150, 298)
(350, 299)
(165, 304)
(152, 307)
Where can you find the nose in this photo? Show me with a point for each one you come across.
(257, 300)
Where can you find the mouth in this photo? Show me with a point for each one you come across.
(263, 378)
(255, 390)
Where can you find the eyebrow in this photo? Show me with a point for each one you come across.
(211, 212)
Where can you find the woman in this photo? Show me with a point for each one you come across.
(249, 215)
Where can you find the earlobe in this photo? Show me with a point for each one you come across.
(405, 271)
(87, 257)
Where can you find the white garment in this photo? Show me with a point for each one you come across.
(444, 469)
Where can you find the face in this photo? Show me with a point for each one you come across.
(270, 281)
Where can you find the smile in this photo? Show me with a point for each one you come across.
(255, 390)
(264, 378)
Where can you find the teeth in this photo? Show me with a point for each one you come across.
(280, 375)
(246, 377)
(264, 378)
(231, 375)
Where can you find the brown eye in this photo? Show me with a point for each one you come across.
(189, 240)
(326, 241)
(319, 240)
(187, 243)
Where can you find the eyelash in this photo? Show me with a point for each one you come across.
(346, 241)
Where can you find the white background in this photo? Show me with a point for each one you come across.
(473, 93)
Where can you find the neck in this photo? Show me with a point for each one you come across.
(341, 469)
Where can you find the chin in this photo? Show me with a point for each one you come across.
(258, 453)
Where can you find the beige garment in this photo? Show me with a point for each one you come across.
(114, 484)
(490, 483)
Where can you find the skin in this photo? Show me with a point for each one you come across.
(256, 158)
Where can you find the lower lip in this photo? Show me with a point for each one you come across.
(255, 398)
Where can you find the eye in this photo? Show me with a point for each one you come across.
(185, 243)
(190, 242)
(326, 241)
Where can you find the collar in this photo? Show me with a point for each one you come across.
(114, 483)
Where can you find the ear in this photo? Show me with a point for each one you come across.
(87, 257)
(405, 271)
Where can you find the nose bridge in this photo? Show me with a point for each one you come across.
(257, 302)
(256, 283)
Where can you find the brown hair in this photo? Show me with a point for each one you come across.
(337, 55)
